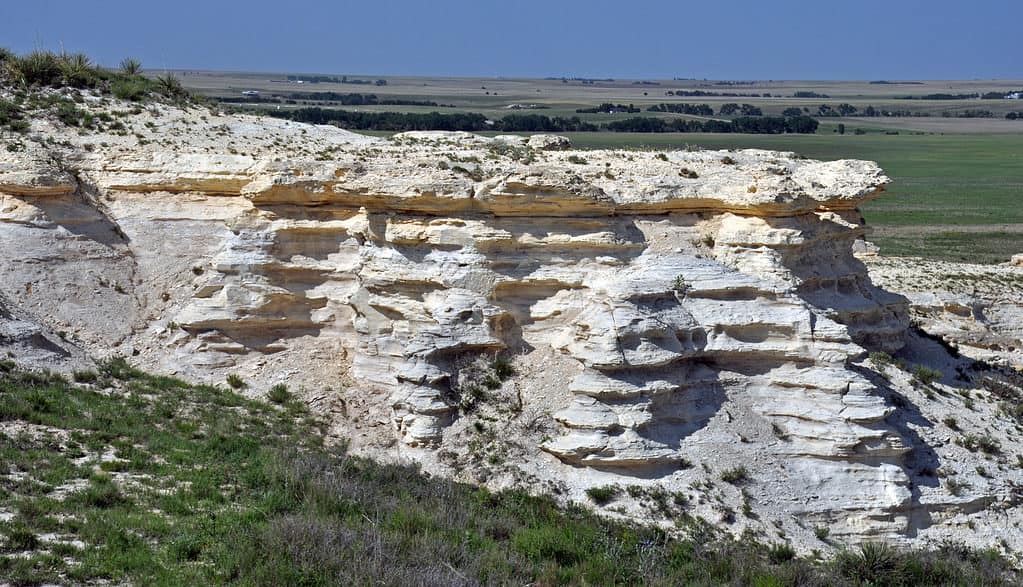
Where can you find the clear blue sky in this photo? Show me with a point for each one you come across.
(736, 39)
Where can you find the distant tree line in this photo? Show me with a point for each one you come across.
(704, 93)
(805, 94)
(968, 113)
(402, 121)
(393, 121)
(732, 108)
(353, 99)
(690, 109)
(940, 97)
(540, 123)
(999, 95)
(356, 99)
(840, 110)
(583, 80)
(608, 108)
(333, 79)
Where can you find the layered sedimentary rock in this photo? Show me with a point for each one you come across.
(978, 309)
(665, 294)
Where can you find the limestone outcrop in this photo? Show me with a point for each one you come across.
(660, 310)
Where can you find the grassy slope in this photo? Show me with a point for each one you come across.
(144, 479)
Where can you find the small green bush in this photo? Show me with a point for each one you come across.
(130, 89)
(21, 539)
(85, 376)
(780, 553)
(72, 115)
(926, 375)
(985, 443)
(873, 560)
(101, 493)
(735, 475)
(118, 368)
(880, 359)
(502, 368)
(279, 394)
(603, 495)
(956, 487)
(236, 382)
(989, 445)
(12, 117)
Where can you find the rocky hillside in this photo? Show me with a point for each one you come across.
(601, 325)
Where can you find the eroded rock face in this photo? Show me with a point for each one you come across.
(649, 302)
(978, 309)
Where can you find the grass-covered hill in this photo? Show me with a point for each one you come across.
(123, 477)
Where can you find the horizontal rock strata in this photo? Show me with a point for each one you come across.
(670, 286)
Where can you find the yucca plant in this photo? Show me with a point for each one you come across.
(169, 85)
(37, 68)
(77, 70)
(131, 66)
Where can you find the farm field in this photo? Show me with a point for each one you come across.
(957, 183)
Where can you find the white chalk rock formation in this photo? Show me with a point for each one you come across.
(647, 300)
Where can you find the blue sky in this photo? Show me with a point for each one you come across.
(738, 39)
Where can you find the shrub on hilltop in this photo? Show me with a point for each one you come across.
(46, 69)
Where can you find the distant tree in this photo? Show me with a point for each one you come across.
(1012, 116)
(728, 109)
(751, 110)
(801, 124)
(846, 109)
(792, 112)
(841, 129)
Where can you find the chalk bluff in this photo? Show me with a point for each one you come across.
(665, 314)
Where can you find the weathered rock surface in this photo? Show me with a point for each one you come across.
(660, 310)
(978, 309)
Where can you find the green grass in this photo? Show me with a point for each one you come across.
(212, 488)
